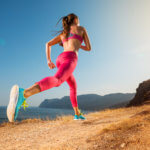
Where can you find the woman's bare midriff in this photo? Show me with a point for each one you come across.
(76, 51)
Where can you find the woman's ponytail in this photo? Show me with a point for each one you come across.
(67, 21)
(66, 25)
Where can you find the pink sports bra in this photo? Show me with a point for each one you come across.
(73, 36)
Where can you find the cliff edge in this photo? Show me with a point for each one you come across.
(142, 95)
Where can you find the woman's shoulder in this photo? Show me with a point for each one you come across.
(81, 28)
(61, 34)
(77, 28)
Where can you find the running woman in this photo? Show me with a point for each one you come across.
(71, 38)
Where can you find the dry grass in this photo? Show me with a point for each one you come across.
(60, 119)
(130, 133)
(64, 119)
(116, 129)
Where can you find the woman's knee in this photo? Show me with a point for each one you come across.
(59, 82)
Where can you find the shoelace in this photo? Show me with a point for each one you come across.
(24, 104)
(80, 112)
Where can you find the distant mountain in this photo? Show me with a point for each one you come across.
(88, 101)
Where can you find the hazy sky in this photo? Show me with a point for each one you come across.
(119, 31)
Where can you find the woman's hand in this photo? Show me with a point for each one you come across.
(51, 64)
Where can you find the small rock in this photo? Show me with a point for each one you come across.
(122, 145)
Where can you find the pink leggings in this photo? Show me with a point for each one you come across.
(66, 63)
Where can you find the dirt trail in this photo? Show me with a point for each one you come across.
(63, 133)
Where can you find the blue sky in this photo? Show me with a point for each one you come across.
(119, 32)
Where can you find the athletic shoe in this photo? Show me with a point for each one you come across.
(76, 117)
(80, 117)
(17, 100)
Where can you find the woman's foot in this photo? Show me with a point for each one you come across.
(17, 99)
(80, 117)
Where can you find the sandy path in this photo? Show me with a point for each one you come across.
(55, 134)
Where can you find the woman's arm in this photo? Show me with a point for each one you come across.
(87, 46)
(49, 44)
(52, 42)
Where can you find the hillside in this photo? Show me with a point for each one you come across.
(121, 128)
(89, 101)
(142, 94)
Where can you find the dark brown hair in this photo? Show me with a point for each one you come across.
(67, 21)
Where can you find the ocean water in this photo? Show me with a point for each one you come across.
(36, 112)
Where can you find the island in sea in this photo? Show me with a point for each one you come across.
(91, 102)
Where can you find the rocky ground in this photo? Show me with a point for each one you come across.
(121, 128)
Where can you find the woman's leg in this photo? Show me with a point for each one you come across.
(64, 71)
(73, 93)
(42, 85)
(34, 89)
